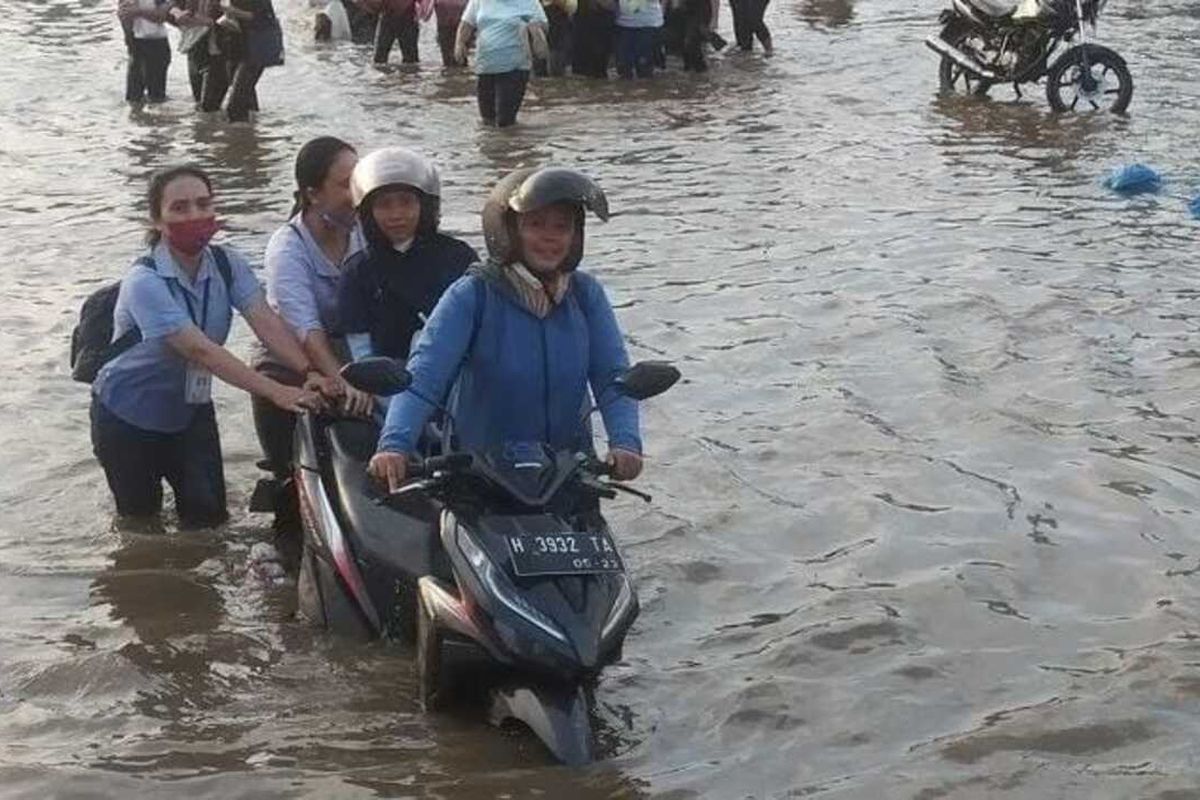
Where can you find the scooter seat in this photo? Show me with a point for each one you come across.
(994, 8)
(401, 539)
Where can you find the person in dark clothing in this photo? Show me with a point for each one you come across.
(748, 23)
(143, 23)
(594, 36)
(363, 21)
(686, 28)
(195, 21)
(262, 47)
(397, 25)
(449, 14)
(559, 37)
(389, 288)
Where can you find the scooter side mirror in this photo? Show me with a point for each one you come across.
(646, 379)
(377, 375)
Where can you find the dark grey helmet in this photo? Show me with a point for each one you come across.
(530, 189)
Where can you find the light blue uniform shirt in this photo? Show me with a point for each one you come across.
(500, 41)
(301, 279)
(146, 385)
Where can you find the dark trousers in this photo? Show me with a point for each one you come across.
(558, 36)
(401, 29)
(218, 75)
(636, 51)
(686, 30)
(594, 30)
(136, 461)
(242, 95)
(500, 96)
(445, 36)
(273, 425)
(198, 60)
(147, 73)
(748, 23)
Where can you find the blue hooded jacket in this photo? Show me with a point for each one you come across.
(519, 378)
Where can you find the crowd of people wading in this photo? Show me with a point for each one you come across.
(228, 45)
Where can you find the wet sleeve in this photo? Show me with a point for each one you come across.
(607, 359)
(152, 306)
(245, 292)
(353, 303)
(434, 363)
(290, 283)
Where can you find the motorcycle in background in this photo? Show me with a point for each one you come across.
(986, 42)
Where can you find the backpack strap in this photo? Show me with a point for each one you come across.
(134, 335)
(223, 267)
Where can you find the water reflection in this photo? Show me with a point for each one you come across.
(978, 129)
(826, 13)
(152, 586)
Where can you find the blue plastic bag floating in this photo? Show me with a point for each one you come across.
(1133, 179)
(1194, 207)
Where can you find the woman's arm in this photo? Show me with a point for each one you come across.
(466, 30)
(195, 347)
(434, 364)
(462, 40)
(273, 332)
(607, 359)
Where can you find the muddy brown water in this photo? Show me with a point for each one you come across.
(924, 519)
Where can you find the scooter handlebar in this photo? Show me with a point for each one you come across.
(451, 462)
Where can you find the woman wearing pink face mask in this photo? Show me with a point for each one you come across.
(152, 412)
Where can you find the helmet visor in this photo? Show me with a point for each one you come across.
(557, 185)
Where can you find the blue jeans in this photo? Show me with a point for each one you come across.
(636, 51)
(136, 461)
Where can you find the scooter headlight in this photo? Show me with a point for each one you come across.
(620, 608)
(495, 583)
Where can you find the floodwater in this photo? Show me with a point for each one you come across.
(924, 519)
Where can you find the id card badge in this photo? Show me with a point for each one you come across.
(198, 389)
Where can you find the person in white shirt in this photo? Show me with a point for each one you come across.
(149, 51)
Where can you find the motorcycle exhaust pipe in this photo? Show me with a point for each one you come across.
(940, 46)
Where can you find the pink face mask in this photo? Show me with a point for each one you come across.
(190, 236)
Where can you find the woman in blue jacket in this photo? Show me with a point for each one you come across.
(523, 337)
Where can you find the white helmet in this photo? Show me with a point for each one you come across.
(393, 166)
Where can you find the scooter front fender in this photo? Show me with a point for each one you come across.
(558, 715)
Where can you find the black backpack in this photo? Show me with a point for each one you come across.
(92, 344)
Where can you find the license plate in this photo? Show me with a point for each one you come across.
(568, 553)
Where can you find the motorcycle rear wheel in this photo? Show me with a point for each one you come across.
(1105, 86)
(952, 78)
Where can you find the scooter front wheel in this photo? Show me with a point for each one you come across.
(433, 682)
(1089, 78)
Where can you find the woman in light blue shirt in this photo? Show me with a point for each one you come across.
(303, 264)
(152, 412)
(503, 56)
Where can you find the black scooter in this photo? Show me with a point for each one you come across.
(497, 564)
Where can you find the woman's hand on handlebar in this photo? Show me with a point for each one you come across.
(357, 403)
(389, 468)
(295, 399)
(329, 388)
(625, 465)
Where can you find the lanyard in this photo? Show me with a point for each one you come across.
(200, 323)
